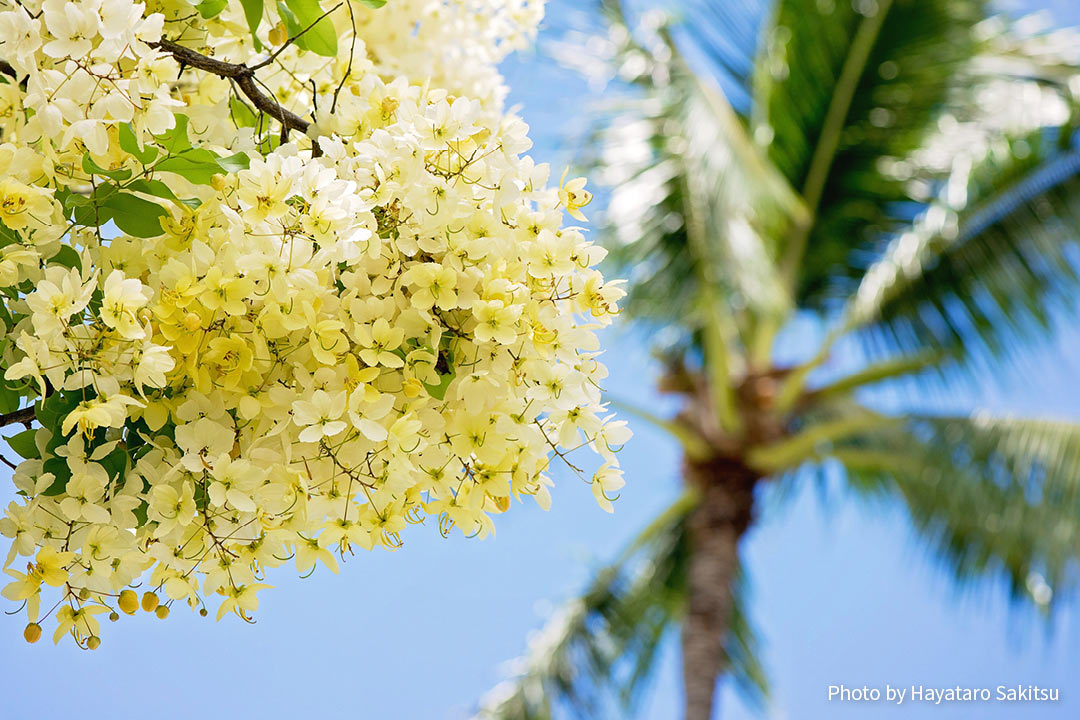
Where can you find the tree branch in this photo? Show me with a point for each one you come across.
(22, 415)
(245, 80)
(242, 75)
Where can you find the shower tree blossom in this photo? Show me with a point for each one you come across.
(278, 282)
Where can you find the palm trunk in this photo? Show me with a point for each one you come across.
(715, 527)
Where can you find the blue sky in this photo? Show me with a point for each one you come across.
(843, 593)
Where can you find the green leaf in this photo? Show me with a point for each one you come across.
(68, 257)
(23, 443)
(242, 115)
(141, 513)
(320, 36)
(292, 25)
(891, 369)
(175, 140)
(59, 468)
(234, 163)
(135, 216)
(116, 463)
(439, 391)
(51, 410)
(130, 144)
(808, 444)
(161, 190)
(8, 236)
(152, 187)
(376, 4)
(253, 12)
(716, 206)
(91, 167)
(73, 200)
(211, 8)
(90, 211)
(10, 399)
(839, 94)
(197, 165)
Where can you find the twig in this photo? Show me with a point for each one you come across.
(244, 77)
(293, 39)
(22, 415)
(348, 70)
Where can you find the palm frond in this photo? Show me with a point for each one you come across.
(842, 88)
(724, 35)
(693, 201)
(994, 495)
(989, 262)
(603, 644)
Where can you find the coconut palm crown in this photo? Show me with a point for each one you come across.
(907, 172)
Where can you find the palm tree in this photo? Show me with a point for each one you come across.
(906, 172)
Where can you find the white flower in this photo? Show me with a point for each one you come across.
(320, 416)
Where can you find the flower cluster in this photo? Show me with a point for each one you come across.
(250, 340)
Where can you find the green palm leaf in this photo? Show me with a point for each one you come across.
(694, 202)
(840, 88)
(875, 164)
(603, 644)
(993, 495)
(988, 268)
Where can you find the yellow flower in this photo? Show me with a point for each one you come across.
(22, 204)
(225, 292)
(379, 341)
(495, 321)
(202, 441)
(231, 358)
(123, 298)
(319, 417)
(50, 568)
(375, 320)
(573, 196)
(605, 483)
(241, 599)
(328, 341)
(433, 284)
(81, 622)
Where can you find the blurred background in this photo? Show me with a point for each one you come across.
(840, 589)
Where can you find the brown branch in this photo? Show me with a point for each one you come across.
(22, 415)
(242, 75)
(245, 80)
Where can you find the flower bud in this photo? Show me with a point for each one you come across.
(162, 611)
(278, 34)
(411, 388)
(128, 602)
(149, 601)
(32, 633)
(93, 642)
